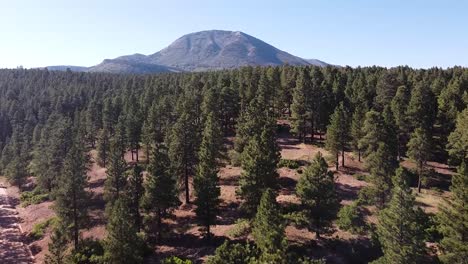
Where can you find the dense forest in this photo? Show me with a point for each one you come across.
(180, 129)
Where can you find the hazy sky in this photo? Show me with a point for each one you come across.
(417, 33)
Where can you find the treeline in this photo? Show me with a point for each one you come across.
(49, 121)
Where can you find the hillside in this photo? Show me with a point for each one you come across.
(201, 51)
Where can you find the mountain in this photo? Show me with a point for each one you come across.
(204, 51)
(65, 67)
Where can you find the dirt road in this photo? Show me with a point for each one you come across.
(12, 248)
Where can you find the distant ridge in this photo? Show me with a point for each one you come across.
(201, 51)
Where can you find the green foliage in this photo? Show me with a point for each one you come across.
(337, 133)
(290, 164)
(268, 230)
(350, 218)
(39, 229)
(234, 158)
(122, 244)
(453, 220)
(72, 198)
(361, 177)
(259, 162)
(90, 252)
(457, 146)
(161, 192)
(316, 190)
(399, 230)
(234, 253)
(300, 114)
(58, 246)
(175, 260)
(419, 150)
(184, 141)
(206, 183)
(103, 147)
(116, 173)
(240, 228)
(35, 196)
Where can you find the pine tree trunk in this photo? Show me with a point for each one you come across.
(342, 158)
(337, 163)
(75, 222)
(137, 154)
(359, 155)
(419, 178)
(159, 225)
(186, 179)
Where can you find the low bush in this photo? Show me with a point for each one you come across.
(90, 252)
(234, 158)
(232, 253)
(33, 197)
(350, 218)
(366, 196)
(175, 260)
(39, 229)
(241, 228)
(291, 164)
(360, 177)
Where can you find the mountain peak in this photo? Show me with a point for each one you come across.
(204, 51)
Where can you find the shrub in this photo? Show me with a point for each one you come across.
(39, 229)
(360, 177)
(366, 196)
(233, 253)
(291, 164)
(33, 197)
(234, 158)
(241, 228)
(90, 251)
(175, 260)
(350, 218)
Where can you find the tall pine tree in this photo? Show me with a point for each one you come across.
(453, 219)
(399, 229)
(316, 190)
(206, 179)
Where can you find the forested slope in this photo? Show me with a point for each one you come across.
(50, 121)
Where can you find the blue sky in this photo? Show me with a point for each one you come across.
(413, 32)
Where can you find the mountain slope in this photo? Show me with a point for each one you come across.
(202, 51)
(216, 49)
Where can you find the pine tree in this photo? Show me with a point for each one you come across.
(419, 150)
(160, 186)
(337, 134)
(457, 146)
(206, 179)
(374, 132)
(116, 173)
(381, 165)
(184, 144)
(453, 220)
(103, 147)
(399, 108)
(356, 130)
(135, 193)
(259, 163)
(268, 230)
(422, 108)
(399, 231)
(251, 122)
(57, 246)
(72, 199)
(299, 114)
(122, 244)
(316, 190)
